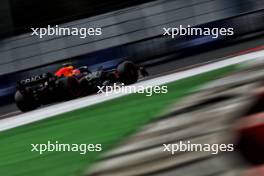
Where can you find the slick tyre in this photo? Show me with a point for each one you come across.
(25, 103)
(69, 88)
(128, 72)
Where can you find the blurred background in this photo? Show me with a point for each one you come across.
(132, 30)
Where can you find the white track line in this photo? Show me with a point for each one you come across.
(64, 107)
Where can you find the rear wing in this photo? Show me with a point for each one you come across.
(35, 80)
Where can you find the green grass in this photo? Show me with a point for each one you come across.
(105, 123)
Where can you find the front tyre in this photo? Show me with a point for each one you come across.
(25, 103)
(128, 72)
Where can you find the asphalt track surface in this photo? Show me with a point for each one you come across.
(174, 65)
(63, 107)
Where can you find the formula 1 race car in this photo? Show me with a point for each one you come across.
(69, 82)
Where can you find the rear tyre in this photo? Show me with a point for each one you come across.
(69, 88)
(25, 103)
(128, 72)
